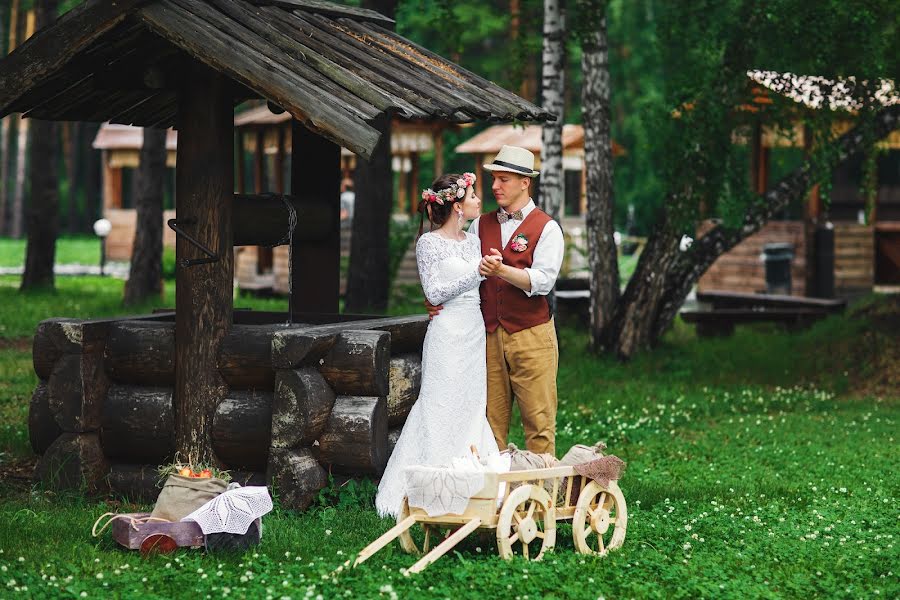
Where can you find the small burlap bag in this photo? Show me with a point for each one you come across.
(525, 460)
(181, 496)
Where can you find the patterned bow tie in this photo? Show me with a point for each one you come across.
(504, 216)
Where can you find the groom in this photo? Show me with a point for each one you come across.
(523, 251)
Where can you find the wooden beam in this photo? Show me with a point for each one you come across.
(37, 59)
(203, 297)
(316, 179)
(328, 8)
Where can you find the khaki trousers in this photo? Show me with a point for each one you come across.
(523, 365)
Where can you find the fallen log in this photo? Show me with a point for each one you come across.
(358, 363)
(300, 409)
(406, 381)
(355, 437)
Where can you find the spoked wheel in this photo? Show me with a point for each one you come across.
(600, 519)
(415, 540)
(527, 523)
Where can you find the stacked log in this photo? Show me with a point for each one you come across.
(66, 405)
(301, 399)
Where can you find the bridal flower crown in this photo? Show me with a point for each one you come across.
(456, 191)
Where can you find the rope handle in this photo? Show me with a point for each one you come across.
(132, 522)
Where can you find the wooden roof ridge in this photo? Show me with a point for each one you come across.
(335, 68)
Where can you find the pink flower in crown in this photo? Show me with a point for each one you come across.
(519, 243)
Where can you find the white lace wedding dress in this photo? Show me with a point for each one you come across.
(449, 415)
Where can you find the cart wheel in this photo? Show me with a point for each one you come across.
(527, 523)
(600, 519)
(408, 539)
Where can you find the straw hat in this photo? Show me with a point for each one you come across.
(514, 159)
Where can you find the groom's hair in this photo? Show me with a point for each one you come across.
(439, 213)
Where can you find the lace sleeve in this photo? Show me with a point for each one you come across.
(429, 254)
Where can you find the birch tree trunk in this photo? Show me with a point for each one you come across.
(145, 272)
(553, 99)
(602, 253)
(43, 209)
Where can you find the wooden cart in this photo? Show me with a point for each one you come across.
(525, 521)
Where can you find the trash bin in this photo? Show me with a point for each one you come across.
(777, 258)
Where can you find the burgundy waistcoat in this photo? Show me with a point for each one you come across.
(502, 303)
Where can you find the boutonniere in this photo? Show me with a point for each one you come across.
(519, 243)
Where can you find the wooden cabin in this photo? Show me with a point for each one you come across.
(280, 398)
(484, 145)
(120, 146)
(866, 242)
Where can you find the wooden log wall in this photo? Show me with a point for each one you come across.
(301, 401)
(742, 270)
(854, 259)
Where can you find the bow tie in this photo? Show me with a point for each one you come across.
(503, 216)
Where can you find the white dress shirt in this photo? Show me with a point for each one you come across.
(548, 254)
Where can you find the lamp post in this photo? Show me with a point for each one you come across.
(102, 228)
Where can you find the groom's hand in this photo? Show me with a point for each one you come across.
(432, 309)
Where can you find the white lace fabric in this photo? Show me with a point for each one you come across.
(448, 268)
(232, 511)
(447, 490)
(449, 415)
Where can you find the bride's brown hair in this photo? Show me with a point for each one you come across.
(439, 213)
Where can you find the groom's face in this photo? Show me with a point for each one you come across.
(510, 190)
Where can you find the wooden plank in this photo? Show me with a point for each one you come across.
(277, 32)
(416, 75)
(329, 8)
(445, 546)
(239, 25)
(249, 68)
(528, 111)
(50, 50)
(359, 59)
(386, 538)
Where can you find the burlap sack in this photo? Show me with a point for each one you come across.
(525, 460)
(579, 454)
(181, 496)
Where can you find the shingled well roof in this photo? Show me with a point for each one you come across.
(333, 67)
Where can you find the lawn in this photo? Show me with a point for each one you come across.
(762, 465)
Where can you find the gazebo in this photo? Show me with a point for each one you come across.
(280, 396)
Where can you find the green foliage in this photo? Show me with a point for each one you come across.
(358, 494)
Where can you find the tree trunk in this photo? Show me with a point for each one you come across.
(70, 157)
(6, 125)
(145, 273)
(43, 210)
(602, 253)
(665, 275)
(553, 99)
(17, 210)
(92, 169)
(368, 276)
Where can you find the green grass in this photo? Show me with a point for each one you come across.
(756, 468)
(83, 250)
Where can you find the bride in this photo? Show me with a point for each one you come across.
(449, 415)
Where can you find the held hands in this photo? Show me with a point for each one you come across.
(491, 264)
(432, 309)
